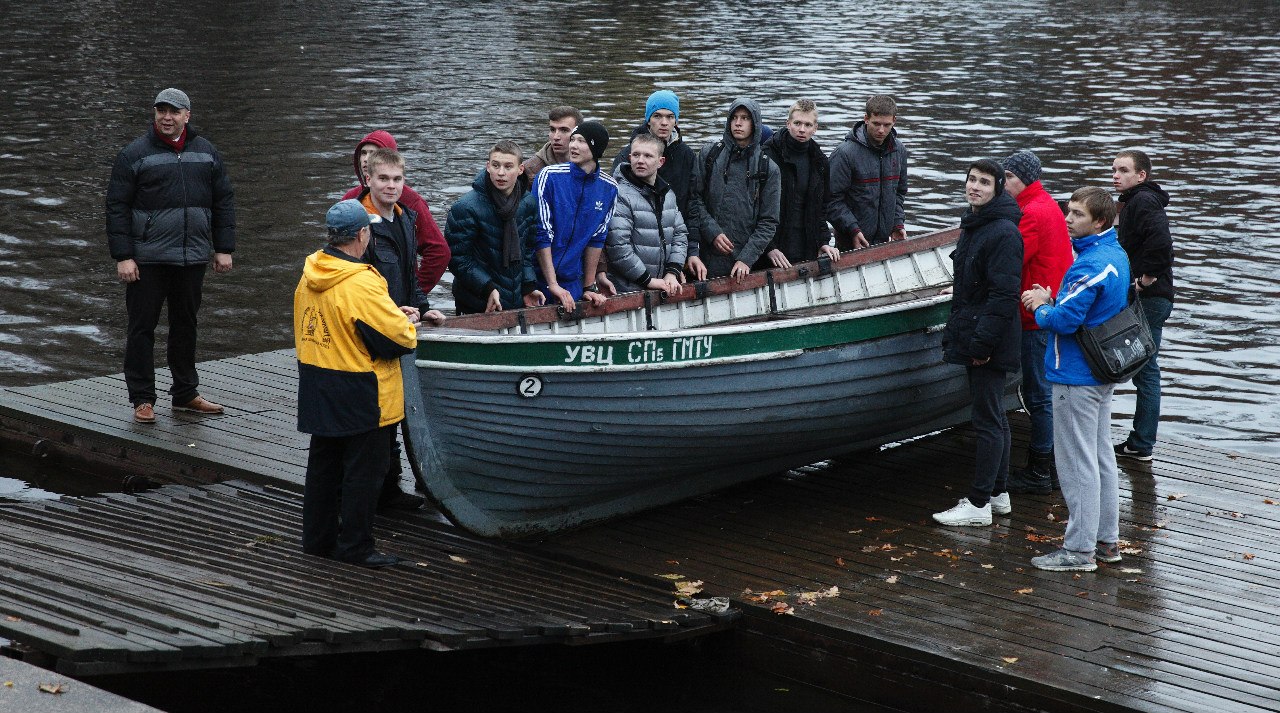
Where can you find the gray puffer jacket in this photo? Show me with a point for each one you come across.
(639, 249)
(739, 197)
(166, 207)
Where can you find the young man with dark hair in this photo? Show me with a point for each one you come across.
(574, 203)
(1143, 231)
(983, 334)
(736, 196)
(647, 240)
(802, 221)
(869, 180)
(1094, 289)
(1046, 255)
(170, 216)
(391, 251)
(430, 245)
(561, 121)
(349, 336)
(492, 265)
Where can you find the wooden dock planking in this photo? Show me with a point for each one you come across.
(183, 577)
(1195, 629)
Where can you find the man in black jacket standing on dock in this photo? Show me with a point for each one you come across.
(170, 214)
(1143, 230)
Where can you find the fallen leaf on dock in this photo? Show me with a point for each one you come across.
(459, 560)
(53, 688)
(8, 684)
(782, 608)
(1051, 518)
(1236, 514)
(12, 618)
(855, 532)
(1130, 551)
(1009, 659)
(1025, 590)
(1175, 496)
(875, 612)
(988, 566)
(672, 577)
(872, 518)
(891, 579)
(1130, 570)
(839, 561)
(674, 562)
(891, 531)
(1033, 537)
(812, 598)
(1082, 594)
(895, 559)
(678, 605)
(1267, 501)
(212, 582)
(688, 589)
(938, 577)
(1248, 556)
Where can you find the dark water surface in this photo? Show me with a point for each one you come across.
(285, 89)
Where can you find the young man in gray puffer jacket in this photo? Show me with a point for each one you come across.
(648, 240)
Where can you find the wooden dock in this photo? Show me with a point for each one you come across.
(845, 583)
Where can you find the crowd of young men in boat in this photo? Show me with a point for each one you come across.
(558, 227)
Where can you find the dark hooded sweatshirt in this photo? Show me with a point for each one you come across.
(738, 197)
(1143, 230)
(984, 318)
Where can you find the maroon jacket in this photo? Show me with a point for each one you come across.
(1046, 247)
(432, 247)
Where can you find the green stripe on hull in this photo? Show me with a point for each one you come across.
(683, 347)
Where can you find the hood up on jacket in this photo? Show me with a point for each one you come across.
(757, 128)
(378, 138)
(328, 267)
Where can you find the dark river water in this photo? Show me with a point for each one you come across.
(285, 89)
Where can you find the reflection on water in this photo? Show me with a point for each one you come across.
(285, 90)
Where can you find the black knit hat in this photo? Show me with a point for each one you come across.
(1023, 164)
(597, 137)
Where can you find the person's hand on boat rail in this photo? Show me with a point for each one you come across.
(412, 313)
(605, 285)
(595, 299)
(562, 296)
(778, 259)
(860, 240)
(668, 283)
(722, 244)
(830, 251)
(696, 268)
(433, 318)
(740, 271)
(899, 233)
(535, 299)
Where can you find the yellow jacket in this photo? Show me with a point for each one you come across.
(349, 337)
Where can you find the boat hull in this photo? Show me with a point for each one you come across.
(599, 440)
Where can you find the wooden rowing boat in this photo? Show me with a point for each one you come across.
(532, 421)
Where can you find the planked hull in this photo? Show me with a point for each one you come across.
(523, 434)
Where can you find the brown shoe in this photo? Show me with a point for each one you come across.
(144, 413)
(199, 405)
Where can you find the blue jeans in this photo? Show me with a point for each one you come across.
(1146, 414)
(1037, 394)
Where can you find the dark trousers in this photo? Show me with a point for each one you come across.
(344, 477)
(991, 429)
(157, 284)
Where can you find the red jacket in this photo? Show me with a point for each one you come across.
(432, 247)
(1046, 247)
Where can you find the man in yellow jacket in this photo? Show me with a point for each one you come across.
(349, 336)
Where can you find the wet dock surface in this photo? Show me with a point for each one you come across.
(844, 581)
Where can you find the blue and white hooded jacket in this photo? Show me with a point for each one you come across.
(574, 210)
(1095, 289)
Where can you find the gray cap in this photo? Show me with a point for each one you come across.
(174, 97)
(346, 218)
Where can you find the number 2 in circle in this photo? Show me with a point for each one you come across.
(530, 386)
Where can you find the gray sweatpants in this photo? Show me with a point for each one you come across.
(1086, 463)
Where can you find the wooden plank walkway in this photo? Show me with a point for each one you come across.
(192, 575)
(927, 615)
(1188, 621)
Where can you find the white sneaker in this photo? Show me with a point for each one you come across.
(965, 514)
(1000, 504)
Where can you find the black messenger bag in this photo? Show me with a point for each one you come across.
(1119, 347)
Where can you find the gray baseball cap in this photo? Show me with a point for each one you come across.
(174, 97)
(346, 218)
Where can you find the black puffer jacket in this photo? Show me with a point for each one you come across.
(474, 232)
(1143, 230)
(170, 208)
(803, 244)
(988, 274)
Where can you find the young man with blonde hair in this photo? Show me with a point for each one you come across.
(802, 220)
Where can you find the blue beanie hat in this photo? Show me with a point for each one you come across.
(662, 99)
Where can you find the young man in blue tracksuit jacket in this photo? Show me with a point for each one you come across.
(575, 204)
(1095, 289)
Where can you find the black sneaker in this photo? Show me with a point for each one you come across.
(1026, 482)
(1124, 451)
(397, 499)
